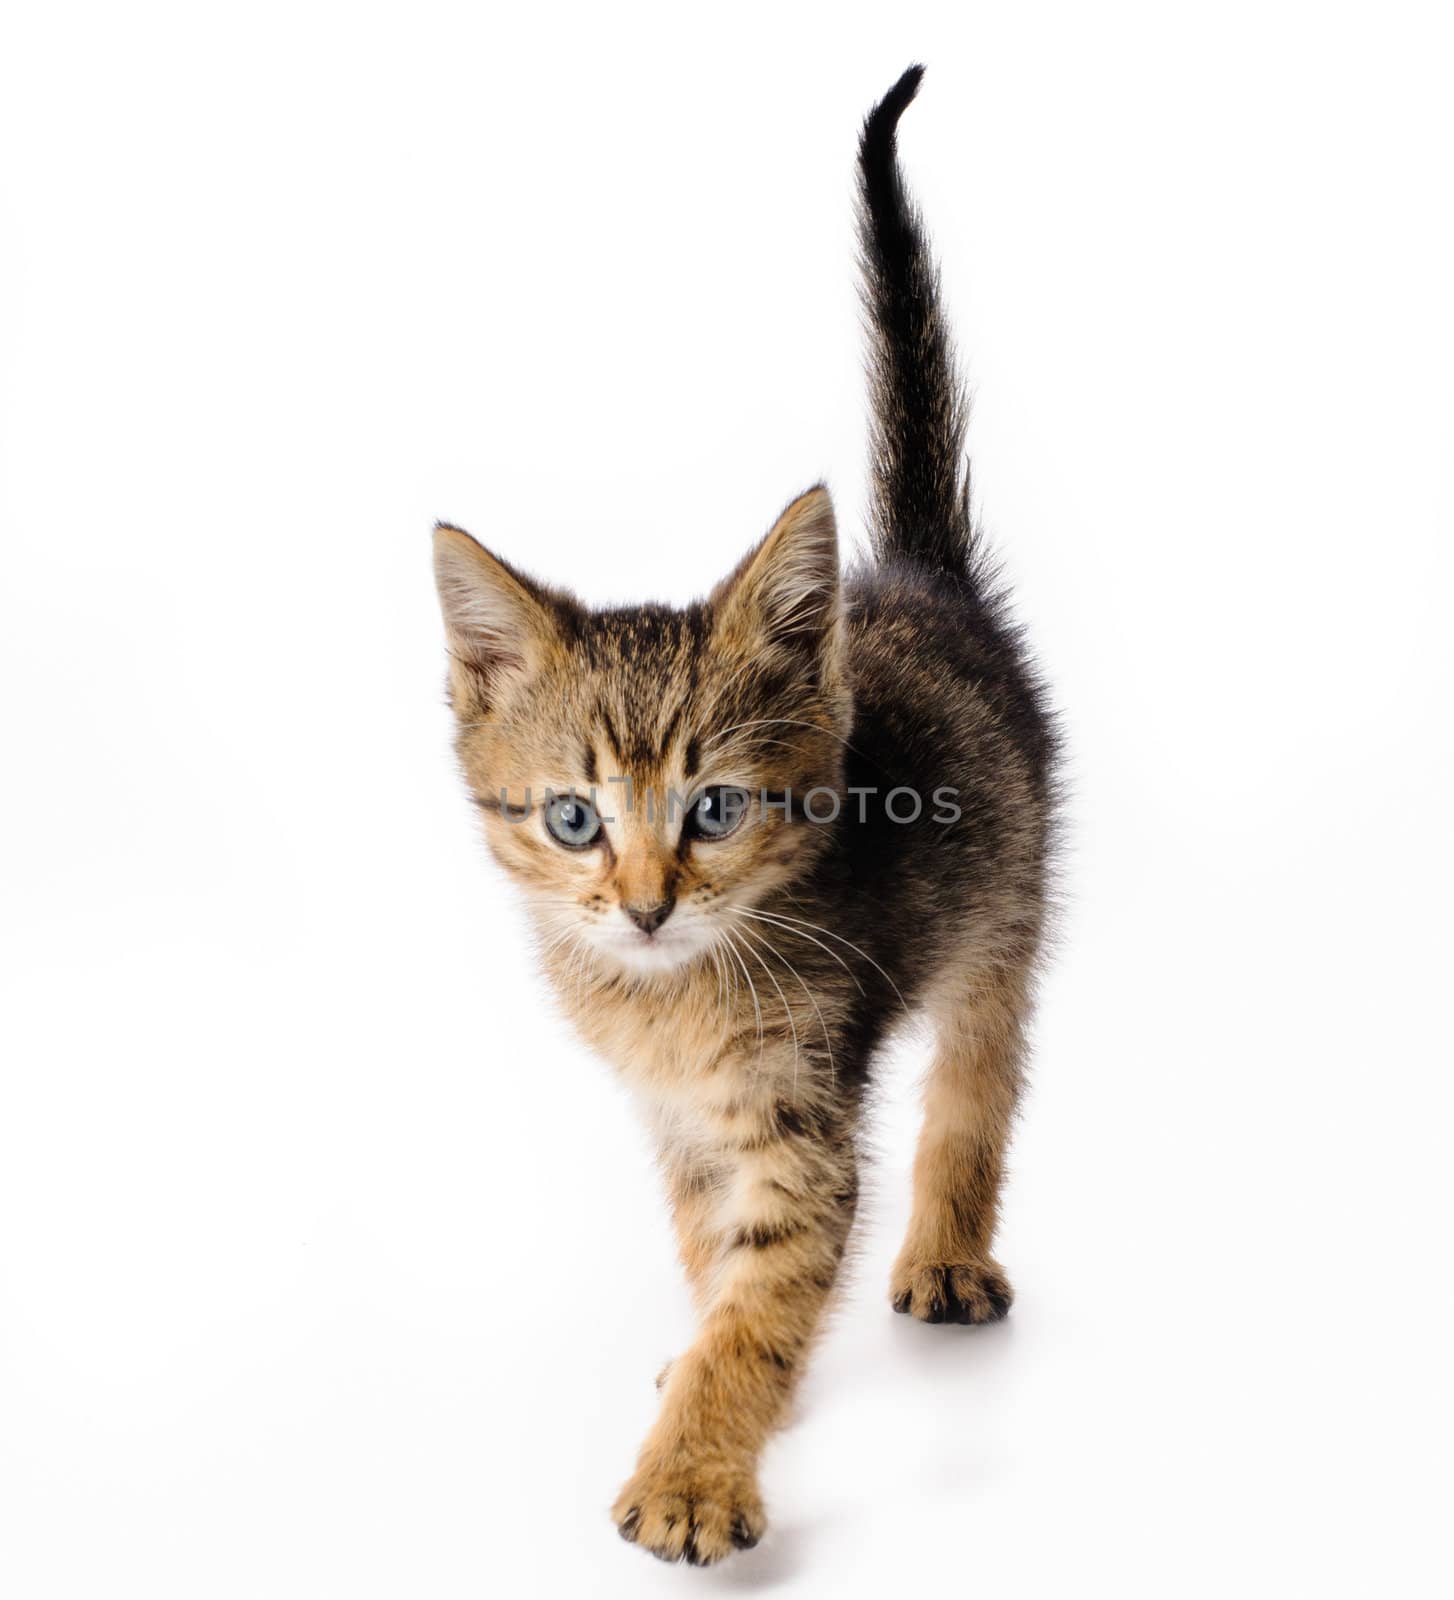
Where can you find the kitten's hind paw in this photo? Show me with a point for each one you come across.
(951, 1291)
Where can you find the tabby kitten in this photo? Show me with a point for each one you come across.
(755, 834)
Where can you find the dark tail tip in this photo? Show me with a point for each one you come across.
(920, 474)
(880, 125)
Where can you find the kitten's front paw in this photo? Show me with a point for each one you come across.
(685, 1510)
(951, 1291)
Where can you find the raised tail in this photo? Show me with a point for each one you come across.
(920, 472)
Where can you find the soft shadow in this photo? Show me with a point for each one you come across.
(932, 1346)
(777, 1560)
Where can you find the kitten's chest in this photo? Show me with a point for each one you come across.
(684, 1063)
(667, 1038)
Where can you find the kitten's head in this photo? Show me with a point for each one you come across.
(642, 772)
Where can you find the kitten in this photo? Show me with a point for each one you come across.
(755, 834)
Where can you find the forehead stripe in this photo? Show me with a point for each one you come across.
(612, 737)
(673, 723)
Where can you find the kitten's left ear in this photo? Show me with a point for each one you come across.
(498, 622)
(786, 591)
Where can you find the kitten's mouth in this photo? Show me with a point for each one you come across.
(665, 950)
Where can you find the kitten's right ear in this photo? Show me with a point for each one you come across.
(496, 620)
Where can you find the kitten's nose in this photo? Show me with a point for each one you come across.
(649, 918)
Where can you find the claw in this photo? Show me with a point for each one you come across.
(743, 1536)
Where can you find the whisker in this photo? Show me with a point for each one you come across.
(787, 1009)
(812, 999)
(762, 722)
(751, 988)
(765, 917)
(781, 917)
(717, 969)
(720, 692)
(724, 995)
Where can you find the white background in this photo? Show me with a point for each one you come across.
(329, 1264)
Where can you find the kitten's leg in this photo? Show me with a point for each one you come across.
(785, 1214)
(693, 1188)
(945, 1272)
(695, 1201)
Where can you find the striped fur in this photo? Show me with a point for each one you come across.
(746, 1022)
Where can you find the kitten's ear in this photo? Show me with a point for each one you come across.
(786, 591)
(497, 622)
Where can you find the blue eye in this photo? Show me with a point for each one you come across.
(572, 821)
(716, 812)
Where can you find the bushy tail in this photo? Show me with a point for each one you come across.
(920, 471)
